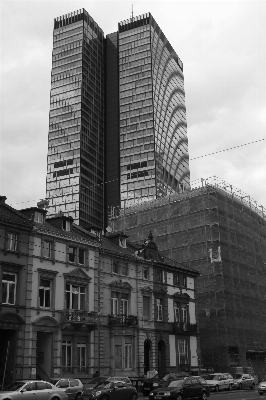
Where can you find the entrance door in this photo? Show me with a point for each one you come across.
(7, 356)
(147, 350)
(161, 358)
(44, 355)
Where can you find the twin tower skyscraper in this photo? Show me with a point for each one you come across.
(117, 122)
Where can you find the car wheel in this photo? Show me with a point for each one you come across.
(134, 396)
(145, 392)
(230, 387)
(78, 396)
(55, 398)
(216, 388)
(204, 396)
(105, 397)
(240, 386)
(261, 393)
(252, 386)
(179, 397)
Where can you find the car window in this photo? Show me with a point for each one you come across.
(194, 381)
(237, 376)
(49, 386)
(187, 382)
(178, 383)
(14, 386)
(119, 384)
(41, 385)
(30, 386)
(63, 383)
(74, 382)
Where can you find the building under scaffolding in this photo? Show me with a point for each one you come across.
(222, 234)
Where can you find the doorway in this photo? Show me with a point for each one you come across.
(147, 353)
(161, 358)
(44, 355)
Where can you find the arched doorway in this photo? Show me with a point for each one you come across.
(161, 358)
(147, 352)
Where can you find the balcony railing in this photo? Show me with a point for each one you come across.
(184, 327)
(122, 320)
(80, 317)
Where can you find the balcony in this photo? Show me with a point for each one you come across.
(76, 317)
(184, 327)
(122, 320)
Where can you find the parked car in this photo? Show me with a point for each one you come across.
(32, 389)
(242, 381)
(120, 378)
(73, 387)
(219, 381)
(181, 389)
(115, 390)
(153, 383)
(91, 383)
(262, 387)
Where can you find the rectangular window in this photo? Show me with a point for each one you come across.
(159, 275)
(176, 280)
(75, 297)
(114, 303)
(66, 225)
(146, 307)
(81, 256)
(145, 273)
(72, 254)
(81, 356)
(9, 285)
(128, 356)
(115, 267)
(159, 304)
(184, 312)
(38, 217)
(183, 352)
(124, 305)
(12, 241)
(184, 281)
(47, 249)
(66, 353)
(176, 312)
(118, 356)
(45, 293)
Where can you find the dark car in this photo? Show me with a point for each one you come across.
(91, 383)
(153, 383)
(73, 387)
(110, 391)
(181, 389)
(32, 389)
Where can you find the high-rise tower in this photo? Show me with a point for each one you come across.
(149, 127)
(76, 123)
(117, 133)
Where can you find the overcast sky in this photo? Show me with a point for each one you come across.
(223, 47)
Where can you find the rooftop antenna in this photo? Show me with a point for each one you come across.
(132, 13)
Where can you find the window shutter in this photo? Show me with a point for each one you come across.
(146, 307)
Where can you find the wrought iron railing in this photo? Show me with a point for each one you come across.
(80, 317)
(184, 327)
(124, 320)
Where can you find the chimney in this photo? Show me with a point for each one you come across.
(2, 199)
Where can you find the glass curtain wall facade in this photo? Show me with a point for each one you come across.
(74, 183)
(153, 138)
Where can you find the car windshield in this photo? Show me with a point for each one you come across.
(212, 377)
(108, 385)
(14, 386)
(237, 376)
(175, 383)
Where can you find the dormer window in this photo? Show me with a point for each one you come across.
(123, 242)
(66, 225)
(38, 217)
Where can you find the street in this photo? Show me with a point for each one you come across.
(226, 395)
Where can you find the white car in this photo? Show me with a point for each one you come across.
(124, 379)
(219, 381)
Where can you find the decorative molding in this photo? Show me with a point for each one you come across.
(47, 272)
(11, 318)
(47, 322)
(78, 276)
(146, 289)
(120, 284)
